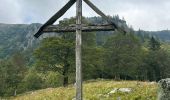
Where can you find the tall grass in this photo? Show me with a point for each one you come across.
(97, 90)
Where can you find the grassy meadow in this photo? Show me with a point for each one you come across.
(96, 90)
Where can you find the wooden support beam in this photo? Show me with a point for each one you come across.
(85, 28)
(98, 11)
(79, 88)
(60, 13)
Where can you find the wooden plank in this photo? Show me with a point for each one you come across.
(60, 13)
(85, 28)
(98, 11)
(78, 50)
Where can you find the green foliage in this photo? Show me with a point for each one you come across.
(92, 63)
(122, 56)
(157, 65)
(12, 73)
(56, 54)
(53, 79)
(154, 44)
(54, 51)
(32, 81)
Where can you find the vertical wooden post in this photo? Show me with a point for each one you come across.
(78, 50)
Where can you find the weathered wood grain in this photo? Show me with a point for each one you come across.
(85, 28)
(78, 50)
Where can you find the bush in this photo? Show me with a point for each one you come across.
(32, 81)
(53, 79)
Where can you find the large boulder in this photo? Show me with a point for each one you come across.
(164, 89)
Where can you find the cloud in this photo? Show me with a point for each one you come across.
(144, 14)
(40, 10)
(10, 12)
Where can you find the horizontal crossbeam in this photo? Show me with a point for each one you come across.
(72, 28)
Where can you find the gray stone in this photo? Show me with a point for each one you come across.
(164, 89)
(123, 90)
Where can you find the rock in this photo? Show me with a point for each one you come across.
(119, 98)
(74, 99)
(74, 84)
(152, 83)
(123, 90)
(113, 91)
(164, 89)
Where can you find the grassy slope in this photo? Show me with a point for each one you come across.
(96, 91)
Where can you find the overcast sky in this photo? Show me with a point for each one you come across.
(143, 14)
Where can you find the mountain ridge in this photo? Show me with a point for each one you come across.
(20, 37)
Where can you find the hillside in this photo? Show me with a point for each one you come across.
(97, 90)
(163, 35)
(16, 37)
(19, 37)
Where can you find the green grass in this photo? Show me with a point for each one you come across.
(96, 90)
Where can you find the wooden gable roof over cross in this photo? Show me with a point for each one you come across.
(48, 27)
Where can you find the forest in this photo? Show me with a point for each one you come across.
(136, 55)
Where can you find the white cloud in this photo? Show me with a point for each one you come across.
(144, 14)
(10, 12)
(40, 10)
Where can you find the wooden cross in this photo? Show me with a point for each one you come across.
(78, 27)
